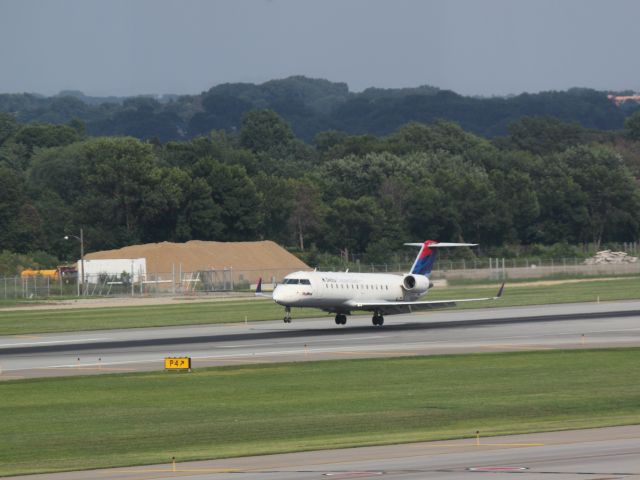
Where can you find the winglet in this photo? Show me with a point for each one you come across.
(500, 291)
(260, 293)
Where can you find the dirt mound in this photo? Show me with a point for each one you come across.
(260, 258)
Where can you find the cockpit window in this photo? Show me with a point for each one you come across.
(296, 281)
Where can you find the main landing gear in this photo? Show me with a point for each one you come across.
(377, 319)
(287, 314)
(341, 319)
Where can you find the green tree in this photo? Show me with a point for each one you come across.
(563, 216)
(122, 190)
(542, 135)
(11, 199)
(265, 131)
(470, 196)
(277, 205)
(191, 212)
(8, 126)
(517, 207)
(353, 224)
(632, 126)
(612, 195)
(44, 135)
(237, 196)
(308, 210)
(438, 137)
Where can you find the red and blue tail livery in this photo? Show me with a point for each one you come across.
(428, 254)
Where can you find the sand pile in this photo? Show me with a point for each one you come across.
(262, 257)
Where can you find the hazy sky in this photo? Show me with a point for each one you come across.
(485, 47)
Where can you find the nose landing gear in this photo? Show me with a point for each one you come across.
(287, 314)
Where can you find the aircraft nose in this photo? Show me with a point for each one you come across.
(278, 294)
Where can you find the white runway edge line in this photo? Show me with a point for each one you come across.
(309, 350)
(53, 342)
(213, 357)
(297, 342)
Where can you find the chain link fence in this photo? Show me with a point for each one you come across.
(205, 282)
(126, 284)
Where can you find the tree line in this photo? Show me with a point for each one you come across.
(545, 182)
(311, 106)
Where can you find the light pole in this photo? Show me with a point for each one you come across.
(81, 240)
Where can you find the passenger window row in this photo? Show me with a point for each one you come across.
(352, 286)
(357, 286)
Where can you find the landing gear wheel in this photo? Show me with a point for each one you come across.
(341, 319)
(287, 314)
(377, 319)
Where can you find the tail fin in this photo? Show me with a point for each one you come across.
(427, 257)
(259, 292)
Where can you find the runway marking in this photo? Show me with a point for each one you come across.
(497, 469)
(183, 470)
(52, 342)
(280, 465)
(86, 367)
(376, 352)
(239, 346)
(482, 444)
(252, 357)
(240, 357)
(524, 347)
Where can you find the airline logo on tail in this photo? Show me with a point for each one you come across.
(425, 259)
(427, 256)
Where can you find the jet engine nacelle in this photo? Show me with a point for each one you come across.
(416, 283)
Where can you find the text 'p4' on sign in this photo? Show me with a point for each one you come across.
(177, 363)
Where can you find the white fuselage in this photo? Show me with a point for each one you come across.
(335, 291)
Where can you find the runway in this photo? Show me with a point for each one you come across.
(567, 326)
(597, 454)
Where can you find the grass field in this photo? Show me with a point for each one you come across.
(125, 419)
(619, 288)
(187, 313)
(190, 313)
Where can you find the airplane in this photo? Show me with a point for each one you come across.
(381, 293)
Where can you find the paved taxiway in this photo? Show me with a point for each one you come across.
(519, 328)
(597, 454)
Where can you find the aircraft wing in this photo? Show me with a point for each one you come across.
(408, 307)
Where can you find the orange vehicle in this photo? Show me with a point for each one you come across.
(52, 273)
(30, 273)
